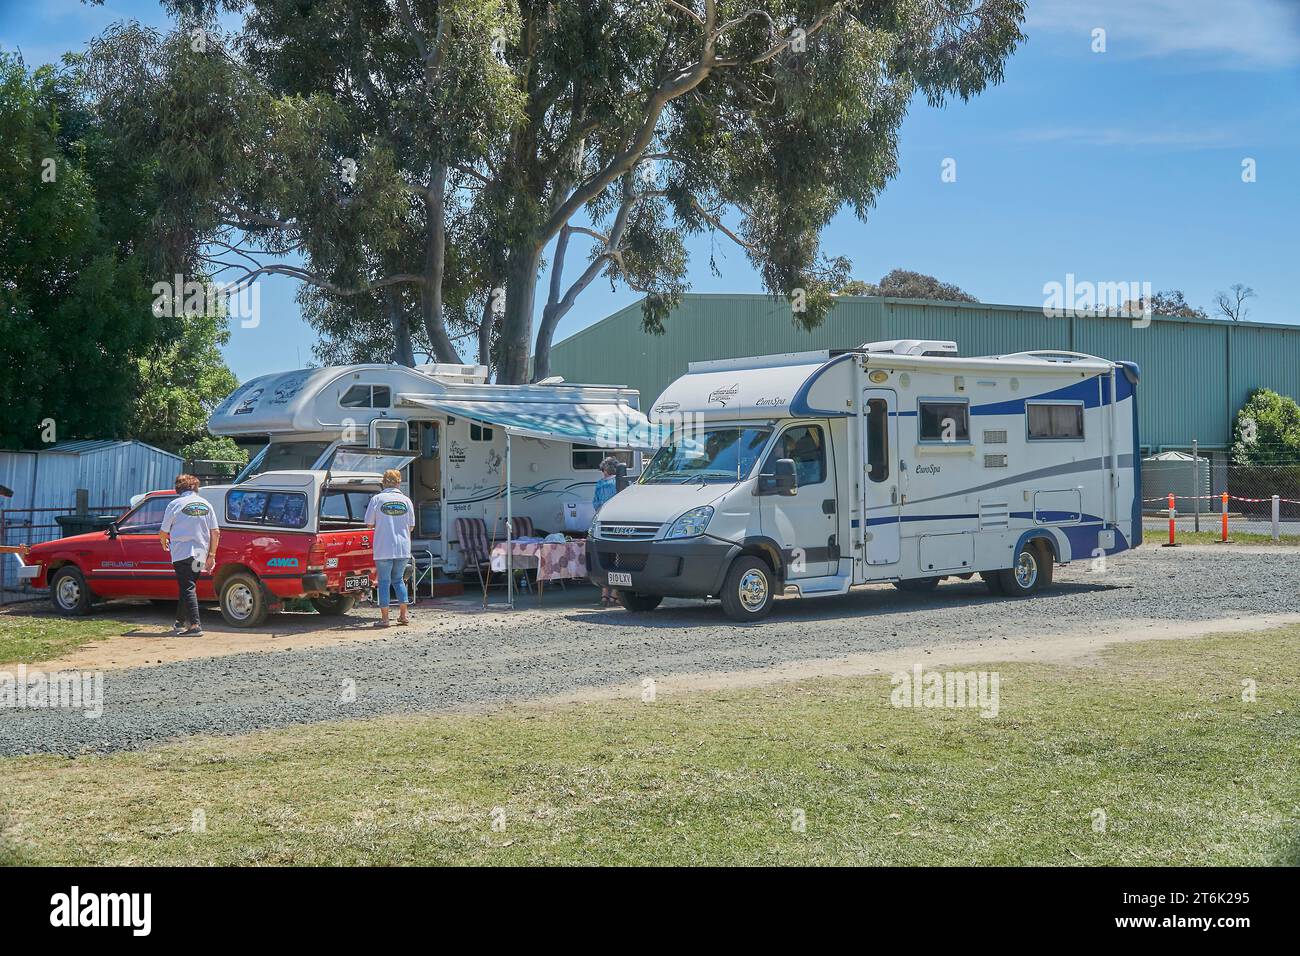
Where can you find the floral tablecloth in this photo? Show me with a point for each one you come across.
(553, 561)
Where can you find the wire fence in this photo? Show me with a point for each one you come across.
(32, 526)
(1261, 499)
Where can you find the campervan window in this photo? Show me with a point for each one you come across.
(479, 432)
(877, 439)
(946, 421)
(589, 457)
(1054, 421)
(366, 396)
(284, 509)
(284, 456)
(707, 455)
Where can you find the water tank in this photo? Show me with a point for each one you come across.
(1171, 473)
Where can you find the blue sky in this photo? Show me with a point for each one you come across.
(1124, 165)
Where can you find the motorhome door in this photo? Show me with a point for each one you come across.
(881, 494)
(804, 524)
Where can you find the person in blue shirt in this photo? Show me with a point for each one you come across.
(606, 488)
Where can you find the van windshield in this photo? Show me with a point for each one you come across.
(707, 455)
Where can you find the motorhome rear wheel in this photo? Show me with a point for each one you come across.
(1031, 572)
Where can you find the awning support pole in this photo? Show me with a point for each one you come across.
(510, 528)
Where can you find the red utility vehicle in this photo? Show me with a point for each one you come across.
(284, 534)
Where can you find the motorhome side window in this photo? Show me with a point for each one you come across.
(284, 509)
(479, 432)
(1054, 421)
(944, 421)
(877, 439)
(366, 396)
(806, 446)
(589, 457)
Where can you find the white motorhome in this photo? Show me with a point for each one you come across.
(465, 434)
(894, 462)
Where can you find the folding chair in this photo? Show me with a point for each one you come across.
(474, 545)
(523, 527)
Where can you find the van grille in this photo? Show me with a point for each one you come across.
(627, 530)
(995, 461)
(995, 436)
(611, 561)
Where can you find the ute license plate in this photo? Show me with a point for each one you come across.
(357, 582)
(617, 578)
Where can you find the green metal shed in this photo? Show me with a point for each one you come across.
(1196, 373)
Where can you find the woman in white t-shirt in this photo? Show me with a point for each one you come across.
(392, 515)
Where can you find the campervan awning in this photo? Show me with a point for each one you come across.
(604, 424)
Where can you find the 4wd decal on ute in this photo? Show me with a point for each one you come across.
(196, 510)
(282, 563)
(393, 508)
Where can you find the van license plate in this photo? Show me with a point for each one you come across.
(357, 582)
(620, 577)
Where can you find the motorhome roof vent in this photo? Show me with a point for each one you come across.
(913, 347)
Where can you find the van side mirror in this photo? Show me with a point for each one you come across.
(620, 477)
(782, 481)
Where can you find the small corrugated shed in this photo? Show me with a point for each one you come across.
(110, 471)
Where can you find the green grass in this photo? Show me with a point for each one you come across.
(1155, 734)
(31, 632)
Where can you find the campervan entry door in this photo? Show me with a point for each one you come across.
(882, 498)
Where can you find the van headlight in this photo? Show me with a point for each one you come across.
(691, 524)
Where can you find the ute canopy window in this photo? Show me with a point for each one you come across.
(284, 509)
(341, 506)
(707, 455)
(944, 421)
(366, 396)
(1055, 421)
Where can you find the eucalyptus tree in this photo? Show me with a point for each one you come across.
(428, 153)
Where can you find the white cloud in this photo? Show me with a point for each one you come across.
(1243, 34)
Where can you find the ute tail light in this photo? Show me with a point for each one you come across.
(316, 557)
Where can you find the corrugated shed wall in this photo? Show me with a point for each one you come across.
(112, 474)
(1195, 373)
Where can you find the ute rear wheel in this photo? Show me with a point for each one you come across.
(1031, 572)
(335, 605)
(69, 592)
(243, 600)
(635, 601)
(749, 590)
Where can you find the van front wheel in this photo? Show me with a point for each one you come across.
(635, 601)
(749, 590)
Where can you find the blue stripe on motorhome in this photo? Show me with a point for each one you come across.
(1087, 464)
(1082, 391)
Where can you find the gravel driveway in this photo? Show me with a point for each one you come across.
(477, 659)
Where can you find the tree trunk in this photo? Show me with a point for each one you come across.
(485, 332)
(403, 350)
(517, 322)
(435, 257)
